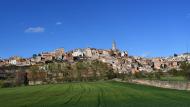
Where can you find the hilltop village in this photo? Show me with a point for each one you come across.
(120, 61)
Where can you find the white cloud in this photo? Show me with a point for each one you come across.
(58, 23)
(35, 29)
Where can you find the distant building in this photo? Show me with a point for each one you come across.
(124, 54)
(78, 53)
(14, 60)
(47, 56)
(157, 63)
(68, 57)
(59, 53)
(89, 52)
(37, 59)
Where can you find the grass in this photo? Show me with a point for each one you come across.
(173, 78)
(93, 94)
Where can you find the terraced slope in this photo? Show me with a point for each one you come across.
(94, 94)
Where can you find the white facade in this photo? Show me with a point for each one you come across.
(13, 62)
(123, 54)
(78, 53)
(106, 53)
(88, 52)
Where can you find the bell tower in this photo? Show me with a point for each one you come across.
(114, 46)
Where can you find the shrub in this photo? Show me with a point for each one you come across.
(8, 84)
(139, 75)
(157, 75)
(150, 76)
(1, 82)
(185, 69)
(175, 72)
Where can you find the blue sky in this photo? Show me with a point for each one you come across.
(141, 27)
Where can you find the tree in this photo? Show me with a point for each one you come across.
(174, 72)
(185, 69)
(157, 75)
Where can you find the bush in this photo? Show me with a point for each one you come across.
(8, 84)
(175, 72)
(1, 82)
(139, 75)
(185, 69)
(154, 75)
(150, 76)
(157, 75)
(187, 74)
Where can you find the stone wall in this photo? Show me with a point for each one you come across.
(179, 85)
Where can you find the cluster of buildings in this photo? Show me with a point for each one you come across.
(43, 57)
(119, 60)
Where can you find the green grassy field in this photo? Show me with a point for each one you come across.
(93, 94)
(173, 78)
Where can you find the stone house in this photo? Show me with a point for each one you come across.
(78, 53)
(14, 60)
(59, 54)
(157, 63)
(92, 53)
(104, 53)
(47, 56)
(124, 54)
(88, 52)
(68, 57)
(2, 62)
(23, 62)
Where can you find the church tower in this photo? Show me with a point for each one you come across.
(114, 46)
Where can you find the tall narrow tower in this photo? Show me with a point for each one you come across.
(114, 46)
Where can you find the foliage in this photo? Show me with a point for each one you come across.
(185, 69)
(8, 84)
(154, 75)
(174, 72)
(139, 75)
(173, 78)
(77, 71)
